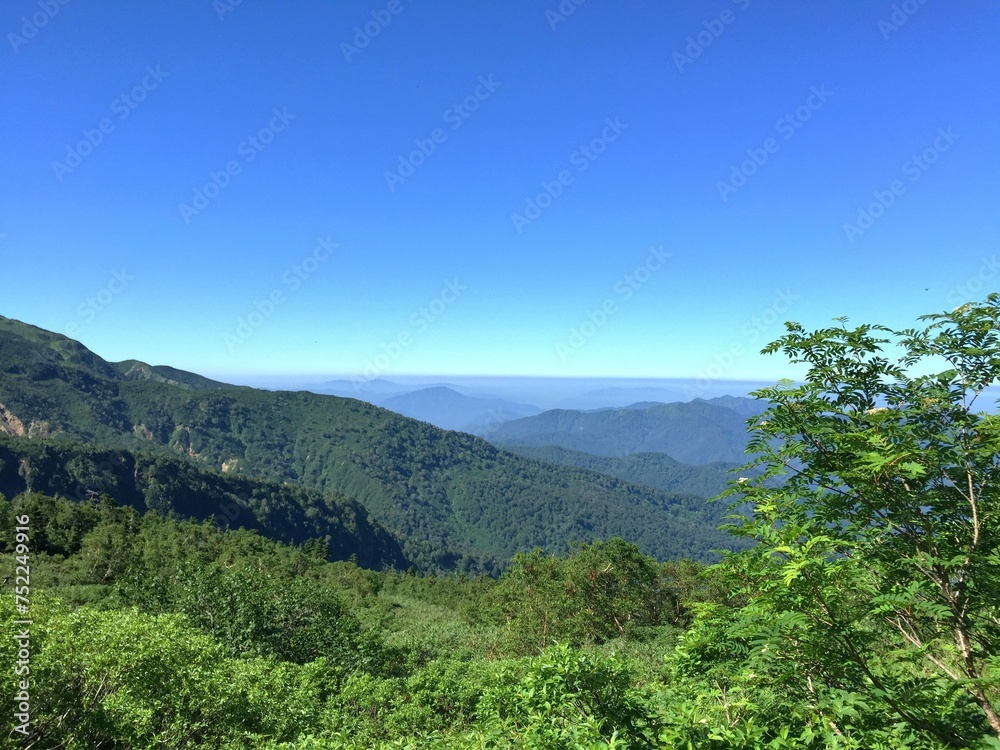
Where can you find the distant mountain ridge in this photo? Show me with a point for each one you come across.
(454, 501)
(546, 393)
(745, 407)
(450, 410)
(694, 432)
(442, 405)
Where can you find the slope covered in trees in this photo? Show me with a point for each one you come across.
(653, 469)
(152, 632)
(455, 501)
(171, 485)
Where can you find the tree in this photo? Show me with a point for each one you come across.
(877, 521)
(602, 590)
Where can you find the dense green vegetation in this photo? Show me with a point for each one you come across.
(171, 485)
(151, 631)
(653, 469)
(454, 501)
(866, 613)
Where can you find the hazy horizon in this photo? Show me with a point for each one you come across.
(545, 392)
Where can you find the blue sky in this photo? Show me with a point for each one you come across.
(639, 189)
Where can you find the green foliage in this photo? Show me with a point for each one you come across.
(252, 595)
(601, 591)
(653, 469)
(123, 679)
(565, 699)
(733, 684)
(875, 573)
(562, 699)
(256, 614)
(57, 527)
(439, 697)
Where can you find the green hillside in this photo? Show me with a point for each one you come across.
(451, 498)
(171, 485)
(653, 469)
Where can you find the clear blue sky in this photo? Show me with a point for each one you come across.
(440, 264)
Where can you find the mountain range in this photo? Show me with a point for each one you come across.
(445, 405)
(694, 432)
(447, 408)
(451, 501)
(651, 469)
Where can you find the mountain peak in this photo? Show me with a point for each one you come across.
(36, 349)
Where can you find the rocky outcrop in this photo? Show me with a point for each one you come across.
(10, 424)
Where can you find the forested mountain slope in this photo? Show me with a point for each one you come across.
(451, 498)
(652, 469)
(172, 485)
